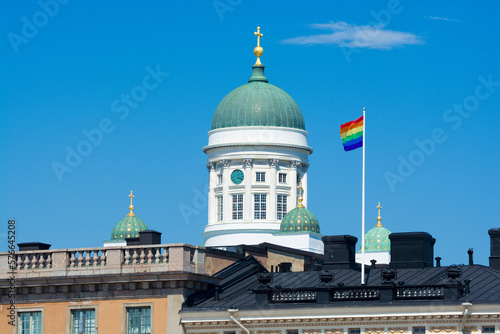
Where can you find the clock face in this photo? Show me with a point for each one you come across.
(237, 176)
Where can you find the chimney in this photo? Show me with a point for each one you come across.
(31, 246)
(412, 250)
(340, 252)
(471, 260)
(149, 237)
(494, 248)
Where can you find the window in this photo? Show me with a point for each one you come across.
(260, 206)
(219, 178)
(292, 331)
(238, 206)
(220, 207)
(83, 322)
(139, 320)
(354, 331)
(418, 330)
(281, 208)
(30, 322)
(488, 329)
(282, 178)
(260, 177)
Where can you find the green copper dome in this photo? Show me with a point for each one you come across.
(299, 220)
(377, 240)
(258, 103)
(128, 227)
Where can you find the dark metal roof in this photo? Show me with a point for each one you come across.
(240, 284)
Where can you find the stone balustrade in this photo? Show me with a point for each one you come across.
(101, 261)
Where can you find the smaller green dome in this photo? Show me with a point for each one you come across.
(299, 220)
(128, 227)
(377, 239)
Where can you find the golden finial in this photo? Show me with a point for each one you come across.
(379, 218)
(131, 207)
(300, 205)
(258, 51)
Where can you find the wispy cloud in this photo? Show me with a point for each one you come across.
(353, 36)
(441, 18)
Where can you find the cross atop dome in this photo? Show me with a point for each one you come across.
(258, 51)
(379, 218)
(131, 207)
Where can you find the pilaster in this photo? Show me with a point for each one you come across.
(271, 202)
(247, 198)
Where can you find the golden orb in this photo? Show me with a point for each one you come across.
(258, 51)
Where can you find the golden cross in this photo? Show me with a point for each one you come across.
(379, 218)
(131, 196)
(259, 35)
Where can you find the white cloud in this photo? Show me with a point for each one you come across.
(352, 36)
(441, 18)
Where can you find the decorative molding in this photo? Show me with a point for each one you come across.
(470, 329)
(305, 166)
(397, 330)
(294, 164)
(273, 162)
(211, 166)
(334, 331)
(442, 329)
(377, 330)
(247, 162)
(225, 163)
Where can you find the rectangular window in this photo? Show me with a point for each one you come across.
(281, 207)
(83, 322)
(30, 322)
(292, 331)
(139, 320)
(419, 330)
(282, 178)
(219, 178)
(260, 177)
(220, 207)
(354, 331)
(260, 206)
(488, 329)
(238, 206)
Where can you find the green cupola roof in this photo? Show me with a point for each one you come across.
(258, 103)
(377, 238)
(129, 226)
(299, 220)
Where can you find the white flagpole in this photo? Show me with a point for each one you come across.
(363, 206)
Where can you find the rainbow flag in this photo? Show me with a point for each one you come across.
(352, 134)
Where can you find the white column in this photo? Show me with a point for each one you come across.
(271, 201)
(247, 198)
(212, 202)
(305, 166)
(292, 200)
(226, 201)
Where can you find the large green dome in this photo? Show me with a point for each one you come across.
(258, 103)
(299, 220)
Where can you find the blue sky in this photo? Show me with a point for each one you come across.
(426, 72)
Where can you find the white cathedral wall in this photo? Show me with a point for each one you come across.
(380, 257)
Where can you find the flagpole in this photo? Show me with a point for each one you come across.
(363, 206)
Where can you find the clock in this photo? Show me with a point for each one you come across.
(237, 176)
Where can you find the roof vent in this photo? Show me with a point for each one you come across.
(412, 250)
